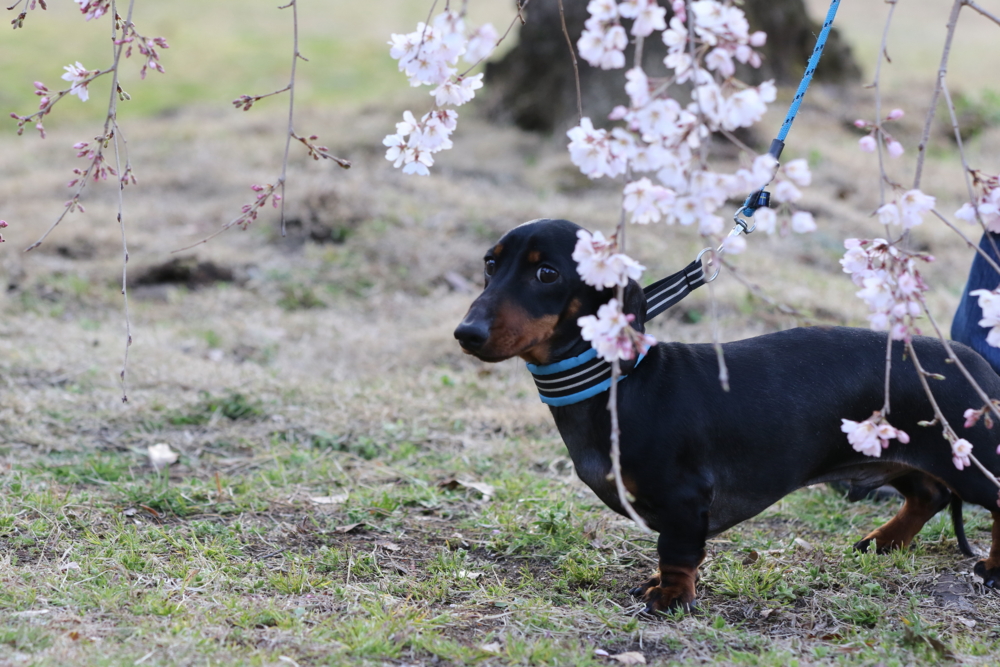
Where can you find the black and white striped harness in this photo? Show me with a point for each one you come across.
(573, 380)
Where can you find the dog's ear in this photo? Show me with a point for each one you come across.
(635, 304)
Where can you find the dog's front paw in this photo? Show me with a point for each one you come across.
(669, 598)
(881, 546)
(640, 590)
(989, 575)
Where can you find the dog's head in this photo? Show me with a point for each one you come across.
(533, 297)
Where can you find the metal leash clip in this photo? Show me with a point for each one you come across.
(759, 199)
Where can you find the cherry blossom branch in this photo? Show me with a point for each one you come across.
(291, 104)
(275, 192)
(949, 432)
(247, 101)
(18, 21)
(576, 66)
(518, 16)
(116, 93)
(942, 72)
(989, 15)
(966, 170)
(982, 253)
(615, 453)
(883, 177)
(48, 102)
(880, 140)
(761, 294)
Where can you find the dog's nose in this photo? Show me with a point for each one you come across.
(472, 335)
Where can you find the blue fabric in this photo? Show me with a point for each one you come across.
(580, 395)
(810, 70)
(965, 327)
(564, 365)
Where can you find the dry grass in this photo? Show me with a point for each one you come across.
(338, 363)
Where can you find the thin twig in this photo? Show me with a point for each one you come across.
(942, 72)
(761, 294)
(879, 136)
(291, 105)
(990, 16)
(879, 142)
(616, 371)
(572, 55)
(113, 117)
(965, 164)
(949, 432)
(968, 241)
(716, 339)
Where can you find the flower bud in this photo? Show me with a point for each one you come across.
(867, 143)
(894, 148)
(895, 114)
(860, 123)
(3, 223)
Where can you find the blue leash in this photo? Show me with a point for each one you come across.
(761, 198)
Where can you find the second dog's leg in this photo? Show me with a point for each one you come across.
(989, 568)
(925, 497)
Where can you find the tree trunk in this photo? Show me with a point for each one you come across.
(533, 86)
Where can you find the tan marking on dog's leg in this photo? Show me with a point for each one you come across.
(925, 497)
(675, 588)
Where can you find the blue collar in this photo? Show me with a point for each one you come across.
(573, 380)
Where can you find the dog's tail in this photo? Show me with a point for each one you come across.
(959, 525)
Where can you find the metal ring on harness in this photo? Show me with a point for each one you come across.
(698, 259)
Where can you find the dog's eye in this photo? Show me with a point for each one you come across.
(547, 274)
(491, 267)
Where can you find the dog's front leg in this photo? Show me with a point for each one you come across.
(681, 548)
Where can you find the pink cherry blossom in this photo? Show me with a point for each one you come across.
(93, 9)
(611, 334)
(872, 435)
(913, 204)
(961, 449)
(598, 264)
(647, 202)
(784, 191)
(481, 44)
(989, 303)
(888, 214)
(798, 172)
(894, 148)
(803, 222)
(79, 76)
(867, 143)
(734, 245)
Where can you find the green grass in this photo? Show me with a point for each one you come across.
(219, 567)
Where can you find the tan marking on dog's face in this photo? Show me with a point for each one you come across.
(497, 249)
(534, 256)
(573, 308)
(515, 334)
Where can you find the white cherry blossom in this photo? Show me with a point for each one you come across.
(803, 222)
(989, 303)
(78, 75)
(961, 449)
(481, 44)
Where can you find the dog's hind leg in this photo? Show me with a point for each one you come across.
(989, 568)
(924, 497)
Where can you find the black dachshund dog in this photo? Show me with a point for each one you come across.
(698, 459)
